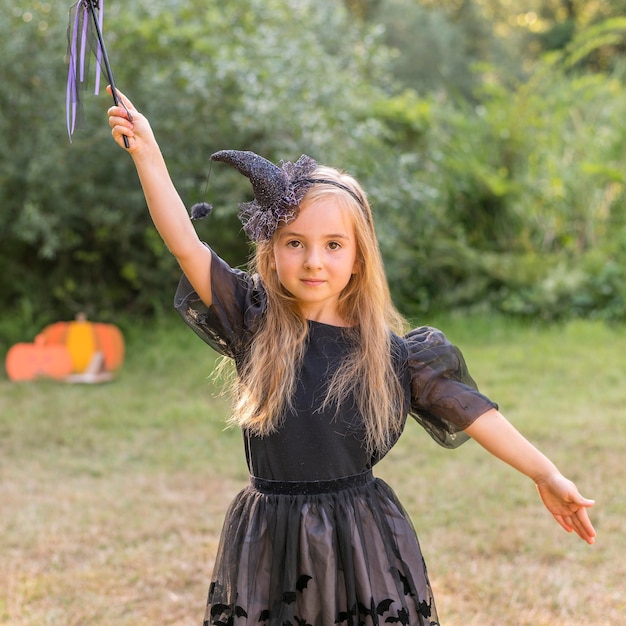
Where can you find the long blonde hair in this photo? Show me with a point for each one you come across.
(267, 381)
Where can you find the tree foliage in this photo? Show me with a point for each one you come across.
(525, 193)
(494, 167)
(275, 77)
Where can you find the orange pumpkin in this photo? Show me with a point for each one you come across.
(83, 339)
(28, 361)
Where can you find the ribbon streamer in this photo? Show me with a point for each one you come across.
(86, 18)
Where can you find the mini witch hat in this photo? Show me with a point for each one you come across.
(278, 191)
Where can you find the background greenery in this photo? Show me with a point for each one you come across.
(490, 138)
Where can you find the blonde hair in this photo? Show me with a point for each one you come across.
(267, 382)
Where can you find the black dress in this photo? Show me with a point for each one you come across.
(315, 539)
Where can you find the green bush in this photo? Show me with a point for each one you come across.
(511, 199)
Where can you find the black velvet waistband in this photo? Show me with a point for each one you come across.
(310, 487)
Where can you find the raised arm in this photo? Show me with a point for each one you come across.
(560, 495)
(165, 205)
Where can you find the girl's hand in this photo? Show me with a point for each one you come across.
(126, 121)
(569, 508)
(492, 431)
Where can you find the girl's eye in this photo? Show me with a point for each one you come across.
(294, 243)
(334, 245)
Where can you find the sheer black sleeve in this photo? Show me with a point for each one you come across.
(230, 322)
(444, 397)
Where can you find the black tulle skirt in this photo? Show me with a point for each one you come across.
(317, 554)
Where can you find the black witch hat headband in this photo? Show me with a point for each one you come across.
(278, 191)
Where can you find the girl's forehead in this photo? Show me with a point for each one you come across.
(329, 205)
(322, 214)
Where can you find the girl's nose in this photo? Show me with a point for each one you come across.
(313, 259)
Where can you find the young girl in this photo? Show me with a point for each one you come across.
(325, 382)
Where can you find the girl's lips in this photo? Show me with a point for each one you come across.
(312, 282)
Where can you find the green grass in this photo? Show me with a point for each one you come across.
(112, 496)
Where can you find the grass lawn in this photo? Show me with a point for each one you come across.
(112, 496)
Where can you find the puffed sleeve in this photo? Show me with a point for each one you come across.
(239, 302)
(444, 397)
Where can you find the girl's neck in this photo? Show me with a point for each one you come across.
(326, 317)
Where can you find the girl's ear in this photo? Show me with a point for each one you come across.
(273, 263)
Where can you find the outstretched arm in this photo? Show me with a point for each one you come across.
(560, 495)
(166, 207)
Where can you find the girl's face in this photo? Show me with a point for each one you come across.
(315, 257)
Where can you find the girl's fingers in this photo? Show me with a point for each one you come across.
(580, 519)
(118, 131)
(583, 525)
(579, 523)
(127, 104)
(118, 115)
(120, 124)
(562, 521)
(121, 135)
(118, 121)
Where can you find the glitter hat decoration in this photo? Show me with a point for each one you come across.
(278, 191)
